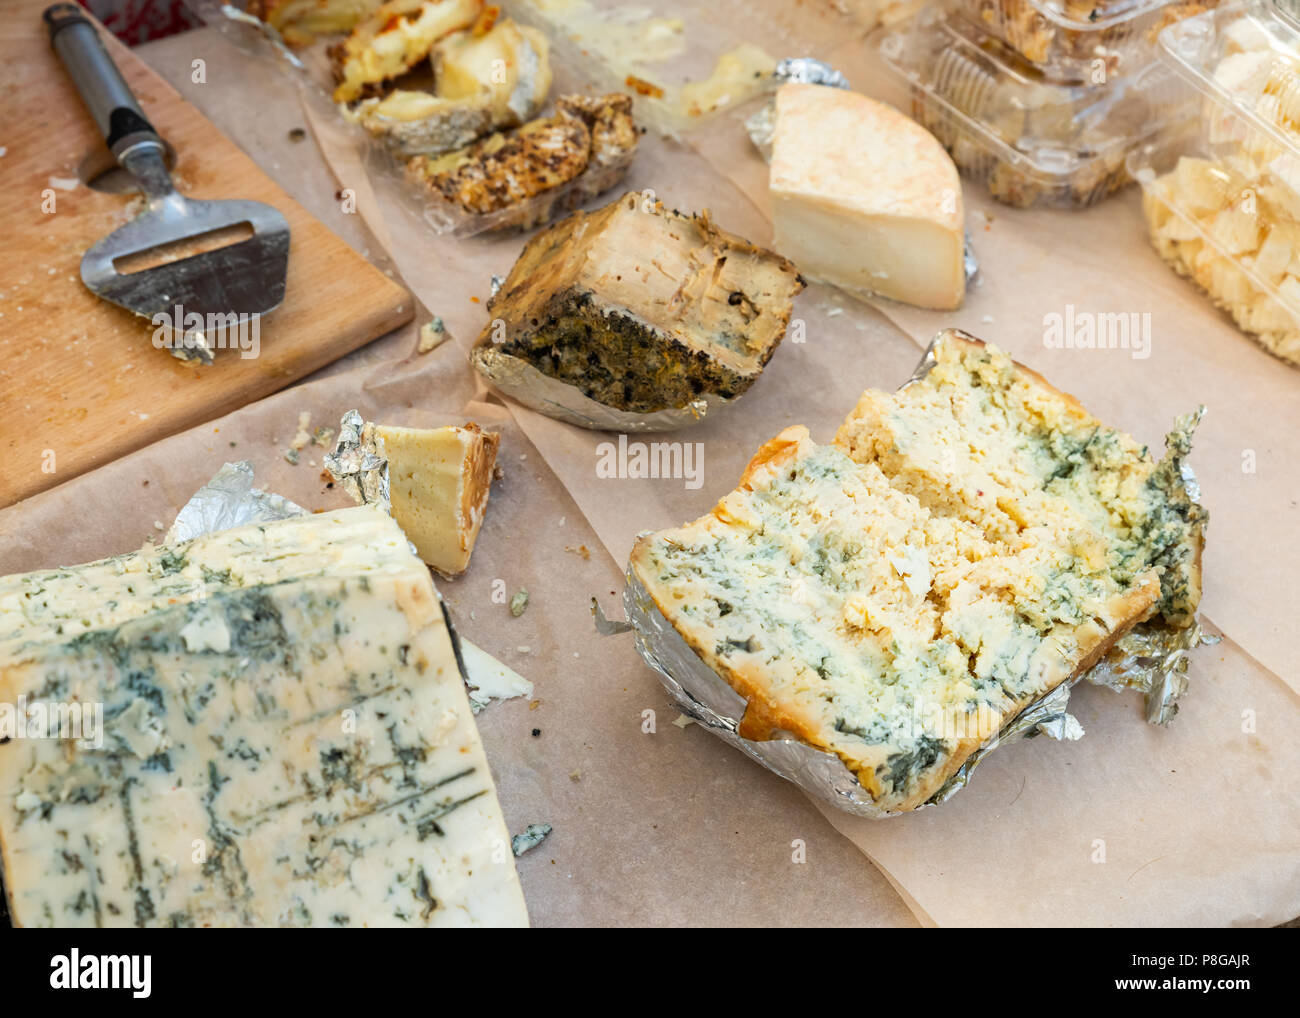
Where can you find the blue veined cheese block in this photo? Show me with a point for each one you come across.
(274, 732)
(968, 544)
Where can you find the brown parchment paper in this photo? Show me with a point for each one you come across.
(1195, 824)
(1199, 822)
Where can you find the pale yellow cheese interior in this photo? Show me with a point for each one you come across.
(439, 481)
(865, 198)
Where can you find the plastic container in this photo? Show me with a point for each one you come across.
(309, 64)
(1223, 205)
(1033, 141)
(1079, 41)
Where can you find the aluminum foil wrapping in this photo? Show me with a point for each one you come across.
(358, 462)
(808, 71)
(229, 500)
(521, 381)
(1152, 658)
(801, 70)
(705, 696)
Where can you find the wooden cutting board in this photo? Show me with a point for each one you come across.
(80, 380)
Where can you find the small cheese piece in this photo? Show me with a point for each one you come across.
(865, 198)
(286, 739)
(300, 21)
(508, 66)
(393, 39)
(488, 679)
(439, 480)
(641, 308)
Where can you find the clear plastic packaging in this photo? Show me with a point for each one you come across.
(1069, 40)
(1033, 141)
(389, 150)
(1223, 204)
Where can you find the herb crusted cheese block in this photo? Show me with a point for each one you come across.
(857, 610)
(523, 177)
(285, 739)
(642, 309)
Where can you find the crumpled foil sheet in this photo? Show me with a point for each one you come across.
(358, 462)
(229, 500)
(1152, 658)
(522, 382)
(808, 71)
(799, 70)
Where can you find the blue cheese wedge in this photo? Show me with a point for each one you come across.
(968, 545)
(286, 739)
(865, 198)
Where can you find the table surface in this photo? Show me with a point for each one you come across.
(838, 886)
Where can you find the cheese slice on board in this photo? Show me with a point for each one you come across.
(439, 480)
(285, 739)
(865, 198)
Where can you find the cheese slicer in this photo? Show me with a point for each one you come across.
(201, 293)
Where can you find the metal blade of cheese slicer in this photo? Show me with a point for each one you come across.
(201, 294)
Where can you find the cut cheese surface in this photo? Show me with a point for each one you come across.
(439, 480)
(968, 544)
(285, 739)
(865, 198)
(394, 38)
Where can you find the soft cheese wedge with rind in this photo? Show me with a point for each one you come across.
(897, 606)
(865, 198)
(439, 481)
(286, 739)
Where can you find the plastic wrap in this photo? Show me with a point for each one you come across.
(1083, 42)
(1222, 202)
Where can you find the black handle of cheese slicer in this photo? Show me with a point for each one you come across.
(102, 87)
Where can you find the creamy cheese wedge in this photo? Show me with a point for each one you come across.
(439, 480)
(865, 198)
(285, 739)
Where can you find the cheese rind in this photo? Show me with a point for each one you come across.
(439, 480)
(865, 198)
(286, 739)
